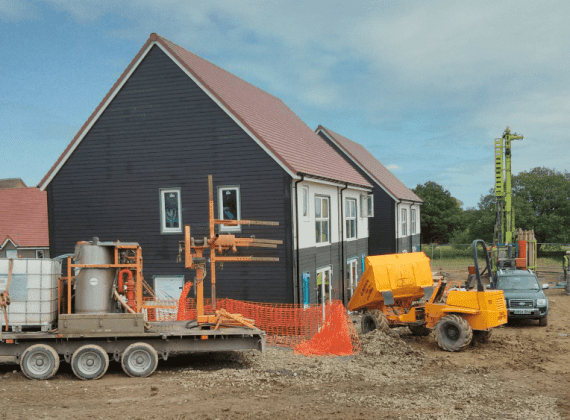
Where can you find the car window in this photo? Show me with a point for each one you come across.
(517, 283)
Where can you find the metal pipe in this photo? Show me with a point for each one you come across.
(297, 236)
(342, 262)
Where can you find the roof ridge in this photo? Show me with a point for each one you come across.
(218, 67)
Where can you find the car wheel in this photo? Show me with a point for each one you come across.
(543, 322)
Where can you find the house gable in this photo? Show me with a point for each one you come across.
(161, 130)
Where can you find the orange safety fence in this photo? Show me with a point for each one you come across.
(310, 330)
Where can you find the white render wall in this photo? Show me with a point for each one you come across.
(307, 235)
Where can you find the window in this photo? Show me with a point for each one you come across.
(11, 253)
(322, 219)
(40, 253)
(404, 221)
(352, 274)
(366, 206)
(170, 211)
(229, 207)
(350, 208)
(305, 201)
(324, 286)
(413, 221)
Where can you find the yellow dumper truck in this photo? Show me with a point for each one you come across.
(398, 290)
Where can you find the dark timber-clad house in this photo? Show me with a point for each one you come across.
(395, 225)
(137, 171)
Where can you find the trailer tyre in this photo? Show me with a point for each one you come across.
(453, 333)
(374, 319)
(39, 362)
(139, 360)
(89, 362)
(419, 330)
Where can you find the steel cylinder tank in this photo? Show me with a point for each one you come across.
(94, 286)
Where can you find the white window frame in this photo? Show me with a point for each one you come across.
(404, 222)
(323, 301)
(221, 189)
(40, 253)
(305, 202)
(352, 263)
(163, 227)
(318, 203)
(367, 205)
(350, 218)
(413, 221)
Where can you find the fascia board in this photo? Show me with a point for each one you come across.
(226, 109)
(102, 109)
(357, 163)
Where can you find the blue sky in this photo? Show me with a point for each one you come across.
(425, 86)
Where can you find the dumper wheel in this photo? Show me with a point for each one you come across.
(453, 333)
(374, 319)
(39, 362)
(419, 330)
(89, 362)
(480, 336)
(139, 360)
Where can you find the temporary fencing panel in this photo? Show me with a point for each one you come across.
(301, 327)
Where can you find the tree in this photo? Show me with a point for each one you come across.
(441, 214)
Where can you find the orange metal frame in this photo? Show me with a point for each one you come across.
(136, 266)
(217, 243)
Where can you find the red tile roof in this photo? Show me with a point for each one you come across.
(370, 164)
(282, 133)
(24, 217)
(11, 183)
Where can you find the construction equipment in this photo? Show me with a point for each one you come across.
(506, 252)
(392, 286)
(97, 311)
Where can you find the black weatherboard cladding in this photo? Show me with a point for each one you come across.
(163, 131)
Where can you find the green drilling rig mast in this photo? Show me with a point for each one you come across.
(505, 225)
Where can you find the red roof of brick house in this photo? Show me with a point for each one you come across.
(367, 162)
(268, 121)
(24, 217)
(9, 183)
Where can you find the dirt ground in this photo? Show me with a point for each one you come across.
(522, 373)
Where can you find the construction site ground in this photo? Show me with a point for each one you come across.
(522, 373)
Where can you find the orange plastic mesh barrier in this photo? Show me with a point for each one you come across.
(322, 331)
(334, 337)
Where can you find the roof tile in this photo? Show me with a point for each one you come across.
(24, 217)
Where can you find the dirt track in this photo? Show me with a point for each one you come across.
(523, 372)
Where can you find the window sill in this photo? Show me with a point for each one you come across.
(318, 244)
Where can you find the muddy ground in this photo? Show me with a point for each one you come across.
(522, 373)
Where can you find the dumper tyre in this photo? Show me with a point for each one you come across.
(419, 330)
(480, 336)
(374, 319)
(89, 362)
(453, 333)
(39, 361)
(139, 360)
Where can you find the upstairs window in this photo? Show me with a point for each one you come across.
(170, 211)
(322, 225)
(404, 222)
(229, 206)
(305, 201)
(350, 209)
(40, 253)
(366, 206)
(413, 221)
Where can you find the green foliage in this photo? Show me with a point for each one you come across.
(460, 237)
(440, 213)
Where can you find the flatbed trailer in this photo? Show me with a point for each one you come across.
(88, 341)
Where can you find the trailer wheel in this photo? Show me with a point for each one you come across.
(480, 336)
(139, 360)
(39, 362)
(374, 319)
(89, 362)
(453, 333)
(419, 330)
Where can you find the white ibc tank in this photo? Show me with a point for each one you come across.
(33, 292)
